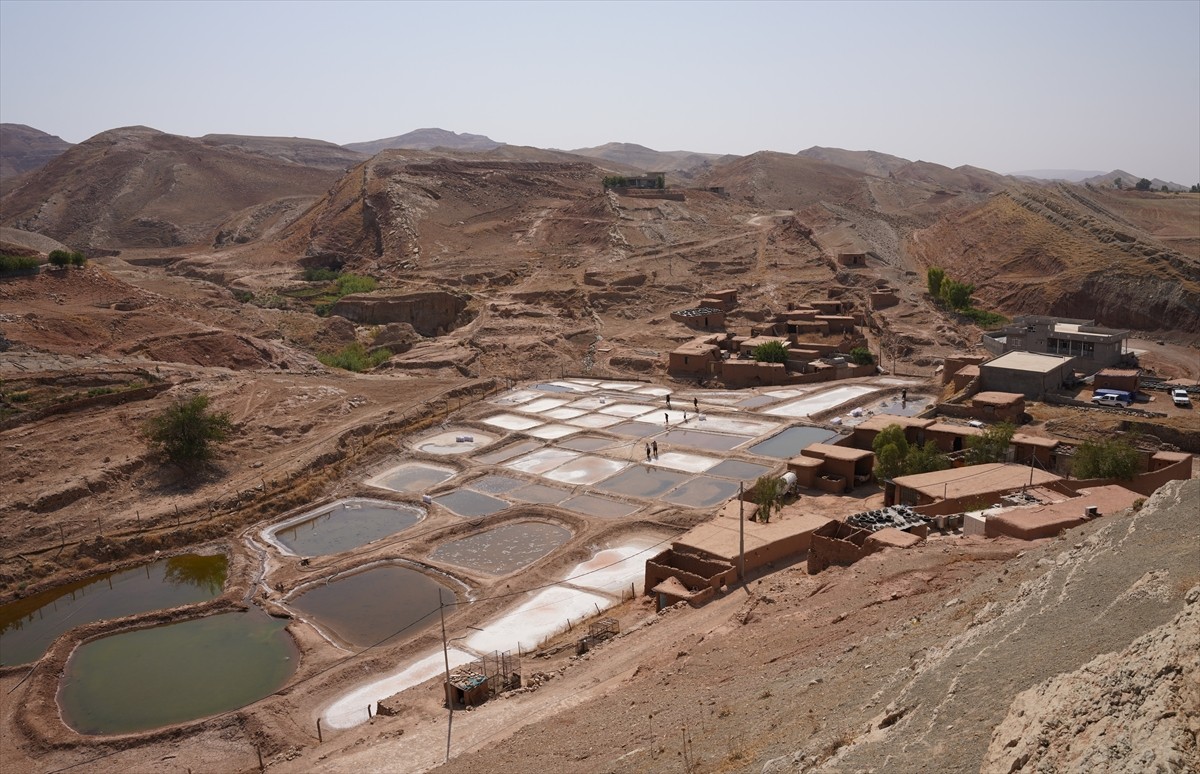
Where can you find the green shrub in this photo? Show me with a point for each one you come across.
(771, 352)
(354, 357)
(861, 356)
(934, 278)
(97, 391)
(78, 259)
(354, 283)
(17, 263)
(984, 318)
(1110, 458)
(187, 432)
(321, 274)
(991, 445)
(323, 310)
(244, 296)
(60, 258)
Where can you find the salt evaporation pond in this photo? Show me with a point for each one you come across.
(504, 549)
(823, 401)
(643, 481)
(28, 626)
(149, 678)
(790, 442)
(367, 607)
(469, 504)
(600, 507)
(699, 439)
(702, 492)
(412, 477)
(344, 525)
(739, 471)
(459, 441)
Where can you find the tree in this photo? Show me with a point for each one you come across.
(60, 258)
(957, 294)
(925, 459)
(934, 277)
(187, 432)
(891, 450)
(861, 356)
(1110, 458)
(991, 445)
(771, 352)
(767, 491)
(1164, 189)
(1195, 188)
(1119, 183)
(78, 259)
(1143, 185)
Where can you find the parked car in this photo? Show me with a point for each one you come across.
(1110, 400)
(1180, 397)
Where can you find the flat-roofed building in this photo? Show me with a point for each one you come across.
(994, 406)
(1127, 379)
(842, 467)
(1092, 346)
(1027, 373)
(1042, 521)
(865, 432)
(983, 482)
(950, 438)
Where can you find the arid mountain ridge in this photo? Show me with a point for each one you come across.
(427, 216)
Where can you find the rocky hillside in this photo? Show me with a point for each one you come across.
(297, 150)
(1068, 251)
(906, 662)
(138, 187)
(24, 149)
(1136, 710)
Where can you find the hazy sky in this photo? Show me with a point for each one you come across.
(1007, 86)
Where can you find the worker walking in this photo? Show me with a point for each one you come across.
(696, 404)
(654, 445)
(647, 452)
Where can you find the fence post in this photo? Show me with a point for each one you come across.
(319, 739)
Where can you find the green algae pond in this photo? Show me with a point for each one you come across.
(175, 673)
(28, 626)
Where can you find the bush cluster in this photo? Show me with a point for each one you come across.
(17, 263)
(355, 357)
(64, 258)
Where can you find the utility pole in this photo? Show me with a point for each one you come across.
(446, 656)
(741, 531)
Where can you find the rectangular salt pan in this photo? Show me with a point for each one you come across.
(541, 461)
(586, 470)
(824, 401)
(512, 422)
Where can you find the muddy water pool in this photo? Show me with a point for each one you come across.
(134, 681)
(366, 607)
(28, 626)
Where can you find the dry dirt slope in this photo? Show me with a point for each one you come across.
(904, 663)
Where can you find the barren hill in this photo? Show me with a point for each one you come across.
(426, 139)
(24, 149)
(685, 164)
(298, 150)
(140, 187)
(870, 162)
(1126, 259)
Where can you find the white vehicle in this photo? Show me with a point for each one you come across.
(1109, 400)
(1180, 397)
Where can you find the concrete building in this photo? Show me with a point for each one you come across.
(1093, 347)
(1027, 373)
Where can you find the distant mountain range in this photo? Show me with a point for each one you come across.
(426, 139)
(24, 149)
